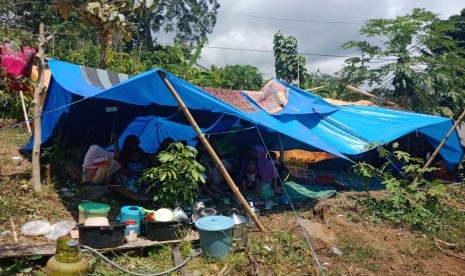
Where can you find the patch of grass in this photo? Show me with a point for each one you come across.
(281, 253)
(422, 247)
(444, 222)
(158, 259)
(14, 136)
(19, 201)
(360, 253)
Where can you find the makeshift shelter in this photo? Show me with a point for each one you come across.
(351, 129)
(80, 97)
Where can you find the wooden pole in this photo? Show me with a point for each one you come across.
(315, 88)
(281, 148)
(431, 159)
(360, 91)
(210, 150)
(42, 40)
(26, 118)
(37, 110)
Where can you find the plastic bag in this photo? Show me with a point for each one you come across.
(36, 228)
(60, 229)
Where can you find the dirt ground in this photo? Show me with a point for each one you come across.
(367, 248)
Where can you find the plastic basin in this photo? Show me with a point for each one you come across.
(90, 209)
(215, 235)
(102, 236)
(164, 230)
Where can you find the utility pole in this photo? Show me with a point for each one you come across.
(38, 109)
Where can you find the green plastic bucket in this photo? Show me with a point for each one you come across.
(91, 209)
(215, 235)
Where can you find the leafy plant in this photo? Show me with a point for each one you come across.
(22, 265)
(10, 105)
(177, 176)
(412, 198)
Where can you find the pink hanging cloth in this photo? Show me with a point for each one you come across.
(17, 64)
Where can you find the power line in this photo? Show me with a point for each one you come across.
(270, 51)
(293, 20)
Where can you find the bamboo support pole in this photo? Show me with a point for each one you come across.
(435, 153)
(315, 88)
(360, 91)
(26, 118)
(281, 148)
(210, 150)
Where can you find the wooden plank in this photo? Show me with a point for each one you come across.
(17, 250)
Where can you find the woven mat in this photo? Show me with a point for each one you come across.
(344, 179)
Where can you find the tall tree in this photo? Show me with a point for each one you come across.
(241, 77)
(458, 34)
(400, 60)
(106, 15)
(189, 20)
(289, 64)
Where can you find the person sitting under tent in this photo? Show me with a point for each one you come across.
(99, 164)
(214, 186)
(214, 179)
(246, 153)
(283, 171)
(130, 155)
(130, 145)
(129, 175)
(251, 178)
(268, 185)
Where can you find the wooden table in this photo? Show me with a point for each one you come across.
(17, 250)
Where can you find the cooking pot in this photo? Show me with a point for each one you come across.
(204, 212)
(179, 214)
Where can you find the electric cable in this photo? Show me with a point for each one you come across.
(293, 20)
(193, 254)
(271, 51)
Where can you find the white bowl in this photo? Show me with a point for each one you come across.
(96, 221)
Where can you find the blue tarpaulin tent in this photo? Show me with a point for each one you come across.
(81, 98)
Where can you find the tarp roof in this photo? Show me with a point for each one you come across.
(144, 95)
(79, 97)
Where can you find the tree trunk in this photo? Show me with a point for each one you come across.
(103, 47)
(37, 119)
(148, 32)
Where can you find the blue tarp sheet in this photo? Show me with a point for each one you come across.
(146, 108)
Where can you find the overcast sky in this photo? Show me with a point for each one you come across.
(244, 32)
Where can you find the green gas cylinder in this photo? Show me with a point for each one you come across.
(67, 260)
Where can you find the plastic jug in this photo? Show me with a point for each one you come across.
(132, 212)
